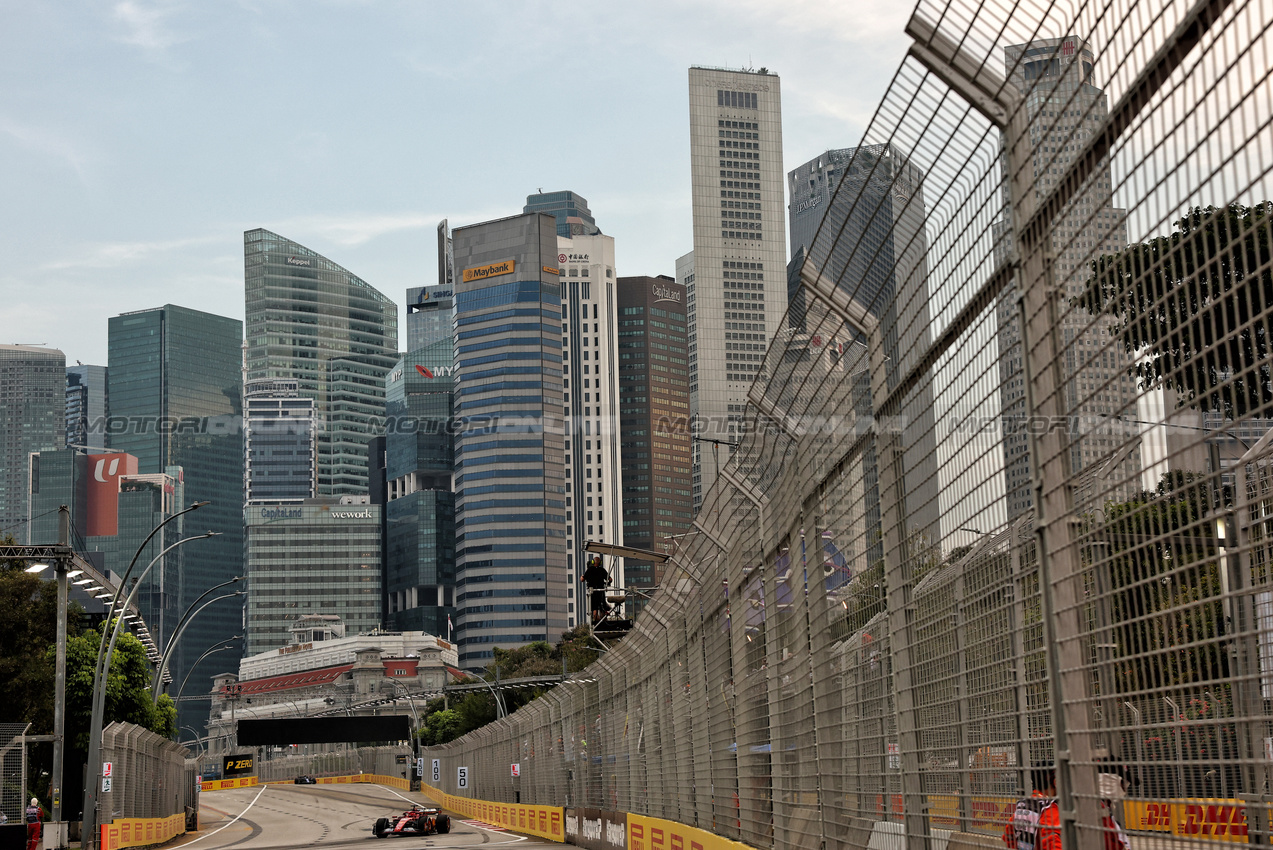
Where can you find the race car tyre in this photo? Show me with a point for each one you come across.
(382, 827)
(443, 824)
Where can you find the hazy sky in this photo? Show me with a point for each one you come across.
(138, 140)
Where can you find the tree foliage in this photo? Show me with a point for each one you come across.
(28, 632)
(128, 697)
(1165, 605)
(1195, 302)
(448, 719)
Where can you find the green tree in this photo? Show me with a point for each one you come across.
(28, 632)
(128, 697)
(1165, 605)
(476, 708)
(1192, 303)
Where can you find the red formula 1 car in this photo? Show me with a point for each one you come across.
(414, 821)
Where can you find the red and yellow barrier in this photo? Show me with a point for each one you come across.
(141, 832)
(1214, 820)
(646, 833)
(222, 784)
(541, 821)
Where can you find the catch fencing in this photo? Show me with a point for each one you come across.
(381, 761)
(150, 776)
(14, 791)
(1004, 496)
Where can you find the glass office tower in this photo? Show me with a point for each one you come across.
(278, 440)
(314, 322)
(86, 407)
(175, 380)
(319, 557)
(420, 506)
(32, 414)
(881, 262)
(511, 579)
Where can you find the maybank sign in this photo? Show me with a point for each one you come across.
(493, 270)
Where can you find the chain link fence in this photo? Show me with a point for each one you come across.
(1004, 499)
(150, 776)
(13, 772)
(381, 761)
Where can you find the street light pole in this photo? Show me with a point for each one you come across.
(227, 645)
(59, 677)
(181, 627)
(88, 829)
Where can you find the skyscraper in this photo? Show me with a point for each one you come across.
(739, 290)
(420, 505)
(881, 261)
(585, 258)
(429, 318)
(175, 378)
(312, 321)
(590, 356)
(320, 557)
(1065, 106)
(511, 572)
(569, 208)
(278, 442)
(86, 407)
(658, 500)
(32, 419)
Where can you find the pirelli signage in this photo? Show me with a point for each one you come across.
(492, 270)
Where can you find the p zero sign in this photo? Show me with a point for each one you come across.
(236, 765)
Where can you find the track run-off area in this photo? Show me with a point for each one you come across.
(278, 817)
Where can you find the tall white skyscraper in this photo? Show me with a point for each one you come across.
(590, 379)
(1065, 107)
(594, 506)
(737, 290)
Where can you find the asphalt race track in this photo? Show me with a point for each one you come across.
(279, 817)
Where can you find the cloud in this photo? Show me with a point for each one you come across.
(106, 255)
(146, 26)
(46, 142)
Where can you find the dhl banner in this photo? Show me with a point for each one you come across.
(540, 821)
(140, 832)
(1216, 820)
(222, 784)
(646, 833)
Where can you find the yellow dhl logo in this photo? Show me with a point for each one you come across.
(492, 270)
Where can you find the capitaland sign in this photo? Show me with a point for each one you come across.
(299, 261)
(492, 270)
(280, 513)
(663, 293)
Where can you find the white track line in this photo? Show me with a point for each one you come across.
(231, 823)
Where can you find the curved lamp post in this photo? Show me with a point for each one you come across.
(500, 711)
(194, 609)
(89, 824)
(229, 644)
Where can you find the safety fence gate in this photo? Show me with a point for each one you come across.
(1004, 498)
